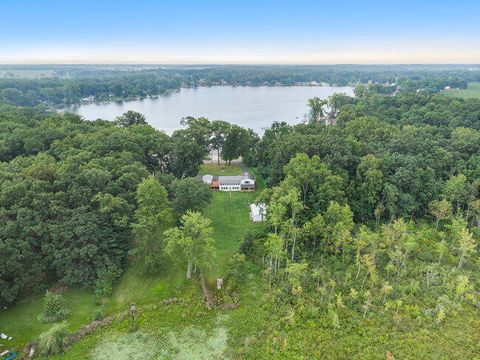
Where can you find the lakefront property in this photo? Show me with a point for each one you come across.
(244, 182)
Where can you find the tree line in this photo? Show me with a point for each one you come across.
(73, 84)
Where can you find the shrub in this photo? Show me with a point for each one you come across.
(53, 308)
(51, 341)
(236, 272)
(97, 315)
(106, 278)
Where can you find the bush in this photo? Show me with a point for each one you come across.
(53, 308)
(51, 341)
(236, 272)
(249, 246)
(97, 315)
(106, 278)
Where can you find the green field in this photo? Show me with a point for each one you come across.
(471, 92)
(229, 213)
(26, 73)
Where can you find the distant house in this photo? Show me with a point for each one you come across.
(230, 183)
(258, 212)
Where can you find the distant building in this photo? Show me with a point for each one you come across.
(230, 183)
(447, 88)
(90, 98)
(258, 212)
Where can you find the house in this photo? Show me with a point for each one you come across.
(230, 183)
(236, 183)
(258, 212)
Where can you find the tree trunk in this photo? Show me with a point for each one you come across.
(293, 247)
(189, 270)
(358, 272)
(460, 263)
(218, 156)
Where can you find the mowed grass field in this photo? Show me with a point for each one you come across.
(471, 92)
(229, 213)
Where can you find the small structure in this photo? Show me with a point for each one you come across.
(258, 212)
(132, 311)
(214, 185)
(207, 179)
(211, 180)
(8, 355)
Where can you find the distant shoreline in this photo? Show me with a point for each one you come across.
(170, 92)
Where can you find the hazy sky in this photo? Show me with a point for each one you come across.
(242, 31)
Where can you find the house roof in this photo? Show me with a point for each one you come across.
(230, 179)
(233, 179)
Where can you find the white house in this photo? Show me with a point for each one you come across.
(243, 182)
(230, 183)
(236, 183)
(258, 212)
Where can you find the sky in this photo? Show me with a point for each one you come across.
(240, 32)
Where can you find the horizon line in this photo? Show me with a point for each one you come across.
(234, 63)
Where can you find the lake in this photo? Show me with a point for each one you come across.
(247, 106)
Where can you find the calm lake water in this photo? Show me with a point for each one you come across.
(252, 107)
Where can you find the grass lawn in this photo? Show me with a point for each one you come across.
(229, 212)
(20, 320)
(471, 92)
(137, 287)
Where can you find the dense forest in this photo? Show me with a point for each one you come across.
(373, 213)
(375, 218)
(65, 85)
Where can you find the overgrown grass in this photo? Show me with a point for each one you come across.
(20, 321)
(471, 92)
(140, 288)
